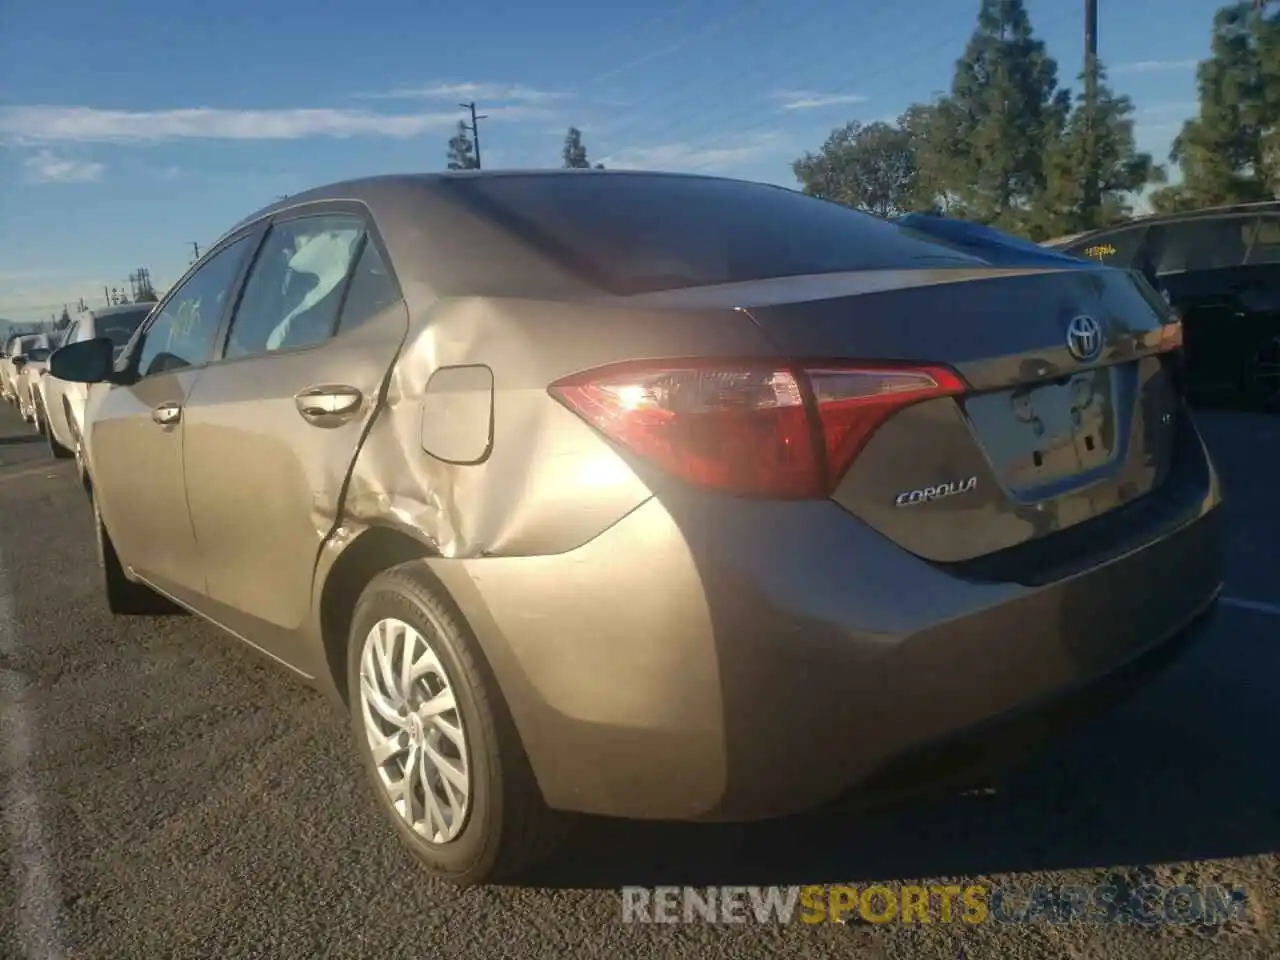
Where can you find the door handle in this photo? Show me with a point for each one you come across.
(327, 403)
(167, 414)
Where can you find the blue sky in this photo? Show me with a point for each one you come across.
(129, 131)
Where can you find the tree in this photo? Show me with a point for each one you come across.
(931, 129)
(1228, 153)
(1004, 110)
(575, 153)
(1065, 205)
(870, 167)
(462, 150)
(63, 321)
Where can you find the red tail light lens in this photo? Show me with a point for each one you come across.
(750, 429)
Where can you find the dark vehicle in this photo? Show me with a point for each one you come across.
(1220, 269)
(994, 246)
(655, 496)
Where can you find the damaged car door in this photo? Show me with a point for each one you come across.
(274, 424)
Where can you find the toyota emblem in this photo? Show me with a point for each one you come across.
(1084, 338)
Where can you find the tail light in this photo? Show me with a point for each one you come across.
(751, 429)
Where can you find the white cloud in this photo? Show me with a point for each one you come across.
(479, 92)
(48, 167)
(1153, 66)
(53, 124)
(812, 100)
(688, 157)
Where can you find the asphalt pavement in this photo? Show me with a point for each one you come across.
(167, 793)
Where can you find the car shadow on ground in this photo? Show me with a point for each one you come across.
(14, 439)
(1187, 771)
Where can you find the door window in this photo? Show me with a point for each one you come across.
(183, 333)
(1264, 246)
(372, 290)
(1192, 245)
(1116, 249)
(294, 289)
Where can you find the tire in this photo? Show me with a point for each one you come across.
(58, 451)
(505, 825)
(124, 597)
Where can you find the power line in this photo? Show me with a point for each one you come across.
(894, 61)
(888, 71)
(713, 27)
(802, 53)
(759, 65)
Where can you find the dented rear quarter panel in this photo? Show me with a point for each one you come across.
(544, 482)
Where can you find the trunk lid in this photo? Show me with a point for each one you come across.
(1045, 439)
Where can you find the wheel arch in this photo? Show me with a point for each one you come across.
(376, 549)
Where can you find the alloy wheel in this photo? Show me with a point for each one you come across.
(415, 730)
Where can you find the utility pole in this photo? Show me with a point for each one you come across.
(474, 128)
(106, 294)
(1092, 188)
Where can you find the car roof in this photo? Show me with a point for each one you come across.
(120, 308)
(1153, 219)
(365, 189)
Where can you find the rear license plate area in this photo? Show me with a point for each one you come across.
(1045, 435)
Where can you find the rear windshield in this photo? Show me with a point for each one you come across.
(631, 234)
(119, 327)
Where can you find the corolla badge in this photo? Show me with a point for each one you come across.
(1084, 338)
(909, 498)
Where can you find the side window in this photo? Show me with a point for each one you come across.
(294, 288)
(182, 335)
(1264, 241)
(1116, 249)
(372, 289)
(1208, 244)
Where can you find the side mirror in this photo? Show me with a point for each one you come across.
(87, 361)
(19, 362)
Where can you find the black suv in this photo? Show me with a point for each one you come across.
(1220, 269)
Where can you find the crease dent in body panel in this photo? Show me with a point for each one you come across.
(38, 898)
(389, 481)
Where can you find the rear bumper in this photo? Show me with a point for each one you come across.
(965, 757)
(717, 659)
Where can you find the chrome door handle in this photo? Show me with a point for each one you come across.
(167, 414)
(321, 404)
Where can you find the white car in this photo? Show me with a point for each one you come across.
(29, 367)
(14, 347)
(62, 403)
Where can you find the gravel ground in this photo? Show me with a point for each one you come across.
(169, 794)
